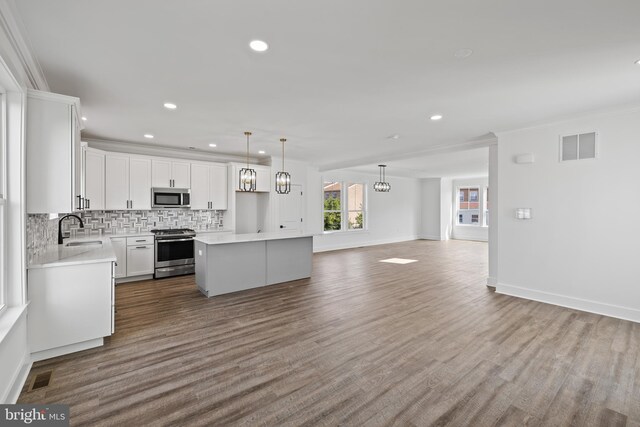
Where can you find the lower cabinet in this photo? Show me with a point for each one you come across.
(70, 308)
(139, 260)
(135, 256)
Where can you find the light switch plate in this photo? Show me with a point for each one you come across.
(523, 213)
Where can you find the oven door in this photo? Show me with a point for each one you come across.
(174, 252)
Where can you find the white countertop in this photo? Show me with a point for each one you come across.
(221, 239)
(60, 255)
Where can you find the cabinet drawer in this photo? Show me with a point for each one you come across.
(141, 240)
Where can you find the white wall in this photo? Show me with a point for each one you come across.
(392, 216)
(430, 209)
(494, 205)
(582, 245)
(469, 232)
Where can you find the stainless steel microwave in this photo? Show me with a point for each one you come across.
(163, 198)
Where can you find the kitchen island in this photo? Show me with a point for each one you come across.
(235, 262)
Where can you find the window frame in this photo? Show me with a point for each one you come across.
(482, 191)
(344, 206)
(3, 201)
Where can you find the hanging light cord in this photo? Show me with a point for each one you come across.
(283, 141)
(247, 133)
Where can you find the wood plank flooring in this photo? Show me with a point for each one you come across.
(361, 343)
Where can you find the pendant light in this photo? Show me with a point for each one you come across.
(283, 179)
(247, 175)
(382, 185)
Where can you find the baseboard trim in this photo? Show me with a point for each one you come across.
(492, 281)
(429, 237)
(353, 245)
(72, 348)
(619, 312)
(19, 381)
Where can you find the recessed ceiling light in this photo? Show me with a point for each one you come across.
(436, 117)
(463, 53)
(170, 106)
(84, 118)
(148, 135)
(637, 62)
(213, 145)
(261, 152)
(394, 136)
(258, 45)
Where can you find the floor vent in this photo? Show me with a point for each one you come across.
(41, 380)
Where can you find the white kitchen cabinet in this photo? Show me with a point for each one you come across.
(119, 245)
(218, 189)
(70, 308)
(94, 184)
(167, 173)
(263, 177)
(128, 182)
(139, 260)
(140, 183)
(208, 186)
(52, 153)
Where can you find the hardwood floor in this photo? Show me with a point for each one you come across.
(360, 343)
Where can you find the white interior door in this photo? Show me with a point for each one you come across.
(290, 209)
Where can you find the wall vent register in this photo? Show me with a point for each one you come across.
(578, 147)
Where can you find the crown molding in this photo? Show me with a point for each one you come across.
(167, 151)
(19, 46)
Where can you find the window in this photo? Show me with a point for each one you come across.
(332, 192)
(344, 210)
(468, 205)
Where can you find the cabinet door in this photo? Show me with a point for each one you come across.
(120, 248)
(140, 183)
(181, 174)
(78, 150)
(139, 260)
(161, 173)
(199, 186)
(94, 180)
(117, 182)
(50, 158)
(263, 178)
(217, 187)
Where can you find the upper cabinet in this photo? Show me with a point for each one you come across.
(128, 182)
(167, 173)
(54, 153)
(263, 177)
(94, 184)
(208, 186)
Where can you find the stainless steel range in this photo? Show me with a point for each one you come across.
(174, 252)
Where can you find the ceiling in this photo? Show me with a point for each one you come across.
(458, 164)
(340, 77)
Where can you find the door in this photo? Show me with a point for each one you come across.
(140, 183)
(181, 174)
(94, 180)
(117, 182)
(161, 173)
(199, 186)
(217, 187)
(290, 209)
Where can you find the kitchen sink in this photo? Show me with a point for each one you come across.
(86, 243)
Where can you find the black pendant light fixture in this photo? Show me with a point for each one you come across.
(247, 175)
(382, 185)
(283, 179)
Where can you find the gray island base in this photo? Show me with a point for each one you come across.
(232, 263)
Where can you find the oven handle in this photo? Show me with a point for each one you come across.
(173, 240)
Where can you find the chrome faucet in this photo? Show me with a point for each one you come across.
(60, 238)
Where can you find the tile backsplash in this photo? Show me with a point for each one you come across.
(42, 231)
